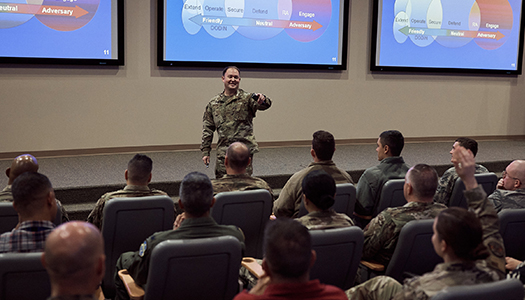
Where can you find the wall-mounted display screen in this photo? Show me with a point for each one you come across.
(478, 36)
(257, 33)
(62, 31)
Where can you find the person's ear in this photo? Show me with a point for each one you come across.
(313, 258)
(101, 266)
(150, 176)
(213, 202)
(386, 149)
(126, 174)
(226, 161)
(43, 259)
(312, 152)
(180, 204)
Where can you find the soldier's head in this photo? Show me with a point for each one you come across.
(288, 250)
(467, 143)
(390, 143)
(21, 164)
(33, 197)
(237, 158)
(458, 235)
(139, 170)
(74, 258)
(319, 189)
(421, 182)
(514, 175)
(323, 145)
(196, 194)
(231, 77)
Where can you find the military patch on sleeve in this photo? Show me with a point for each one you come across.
(143, 248)
(497, 249)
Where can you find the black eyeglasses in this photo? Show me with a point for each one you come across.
(505, 174)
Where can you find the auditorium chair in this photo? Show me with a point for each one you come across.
(338, 251)
(488, 181)
(345, 198)
(248, 210)
(391, 195)
(127, 222)
(508, 289)
(22, 277)
(205, 268)
(512, 229)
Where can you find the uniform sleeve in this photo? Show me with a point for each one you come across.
(444, 188)
(95, 217)
(496, 200)
(375, 236)
(365, 197)
(287, 205)
(208, 128)
(265, 105)
(478, 202)
(139, 265)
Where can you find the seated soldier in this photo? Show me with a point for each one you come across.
(34, 200)
(288, 257)
(510, 193)
(318, 198)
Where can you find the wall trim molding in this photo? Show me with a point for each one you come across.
(195, 147)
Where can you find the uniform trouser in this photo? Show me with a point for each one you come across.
(377, 288)
(122, 263)
(220, 169)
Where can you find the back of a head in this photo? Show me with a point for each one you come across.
(424, 181)
(139, 169)
(287, 248)
(468, 144)
(238, 156)
(30, 190)
(196, 193)
(319, 187)
(462, 231)
(21, 164)
(323, 143)
(73, 251)
(395, 141)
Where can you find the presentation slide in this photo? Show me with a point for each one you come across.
(254, 31)
(467, 34)
(76, 29)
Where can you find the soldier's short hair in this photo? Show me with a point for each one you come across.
(468, 144)
(139, 168)
(196, 193)
(30, 190)
(323, 143)
(462, 231)
(424, 180)
(238, 156)
(394, 139)
(230, 67)
(287, 248)
(319, 187)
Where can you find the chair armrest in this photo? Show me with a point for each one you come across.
(373, 266)
(135, 292)
(251, 265)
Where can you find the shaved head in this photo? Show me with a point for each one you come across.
(238, 156)
(21, 164)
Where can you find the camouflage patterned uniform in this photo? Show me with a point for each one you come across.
(382, 232)
(232, 117)
(240, 182)
(96, 215)
(447, 181)
(447, 274)
(289, 201)
(503, 199)
(325, 219)
(7, 195)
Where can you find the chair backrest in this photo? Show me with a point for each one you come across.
(345, 198)
(8, 217)
(195, 269)
(414, 253)
(127, 222)
(508, 289)
(248, 210)
(339, 251)
(22, 277)
(512, 227)
(391, 195)
(488, 181)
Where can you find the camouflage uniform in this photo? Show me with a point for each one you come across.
(96, 215)
(382, 232)
(447, 181)
(289, 201)
(7, 195)
(447, 274)
(325, 219)
(232, 117)
(240, 182)
(371, 182)
(503, 199)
